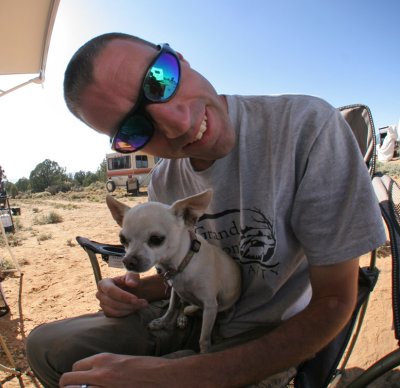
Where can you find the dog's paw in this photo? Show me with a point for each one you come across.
(204, 347)
(182, 321)
(157, 324)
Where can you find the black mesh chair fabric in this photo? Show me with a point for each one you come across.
(388, 192)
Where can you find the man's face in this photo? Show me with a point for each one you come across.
(194, 123)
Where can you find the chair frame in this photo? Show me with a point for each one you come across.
(390, 209)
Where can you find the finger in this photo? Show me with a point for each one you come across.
(118, 298)
(110, 290)
(118, 313)
(114, 308)
(75, 379)
(132, 279)
(86, 364)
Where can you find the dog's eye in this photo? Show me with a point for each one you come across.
(155, 241)
(123, 239)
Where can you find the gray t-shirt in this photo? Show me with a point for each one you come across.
(293, 192)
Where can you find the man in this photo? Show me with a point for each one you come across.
(296, 225)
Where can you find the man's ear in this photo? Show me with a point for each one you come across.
(117, 209)
(191, 208)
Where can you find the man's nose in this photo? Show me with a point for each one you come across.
(172, 119)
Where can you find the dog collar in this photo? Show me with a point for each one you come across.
(194, 248)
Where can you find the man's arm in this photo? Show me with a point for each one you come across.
(299, 338)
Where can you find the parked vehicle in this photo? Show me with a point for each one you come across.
(129, 170)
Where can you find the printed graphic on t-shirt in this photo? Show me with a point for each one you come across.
(249, 239)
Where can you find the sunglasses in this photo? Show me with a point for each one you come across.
(159, 85)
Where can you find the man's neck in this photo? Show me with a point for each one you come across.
(201, 164)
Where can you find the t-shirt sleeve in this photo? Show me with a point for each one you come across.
(335, 214)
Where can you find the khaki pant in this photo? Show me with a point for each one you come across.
(53, 348)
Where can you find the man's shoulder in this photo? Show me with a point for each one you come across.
(280, 104)
(281, 99)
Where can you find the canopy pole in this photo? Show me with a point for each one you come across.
(37, 80)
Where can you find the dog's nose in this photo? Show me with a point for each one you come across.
(130, 263)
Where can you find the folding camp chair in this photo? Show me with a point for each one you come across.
(388, 193)
(323, 368)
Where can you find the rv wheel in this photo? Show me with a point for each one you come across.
(110, 186)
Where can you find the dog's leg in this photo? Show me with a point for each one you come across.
(191, 310)
(169, 318)
(209, 315)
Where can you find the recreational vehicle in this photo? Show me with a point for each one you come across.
(129, 170)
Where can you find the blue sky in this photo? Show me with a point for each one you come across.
(345, 51)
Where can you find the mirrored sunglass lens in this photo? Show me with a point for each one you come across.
(162, 78)
(134, 133)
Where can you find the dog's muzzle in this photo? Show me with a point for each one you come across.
(134, 263)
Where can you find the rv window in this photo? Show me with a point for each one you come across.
(141, 161)
(156, 159)
(119, 163)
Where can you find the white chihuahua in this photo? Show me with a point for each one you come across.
(201, 274)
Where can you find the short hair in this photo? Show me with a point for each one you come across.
(79, 72)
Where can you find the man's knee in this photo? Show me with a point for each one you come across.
(38, 349)
(46, 349)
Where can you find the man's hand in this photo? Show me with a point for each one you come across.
(297, 339)
(112, 370)
(119, 296)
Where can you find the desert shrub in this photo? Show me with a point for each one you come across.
(77, 189)
(54, 218)
(77, 195)
(62, 187)
(95, 198)
(392, 169)
(13, 240)
(51, 218)
(96, 186)
(44, 237)
(6, 264)
(24, 195)
(53, 190)
(68, 206)
(43, 194)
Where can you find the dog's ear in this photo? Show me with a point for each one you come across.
(117, 209)
(191, 208)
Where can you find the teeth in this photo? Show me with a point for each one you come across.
(203, 128)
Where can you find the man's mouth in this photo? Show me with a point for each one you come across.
(202, 130)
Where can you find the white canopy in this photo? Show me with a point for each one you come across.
(25, 31)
